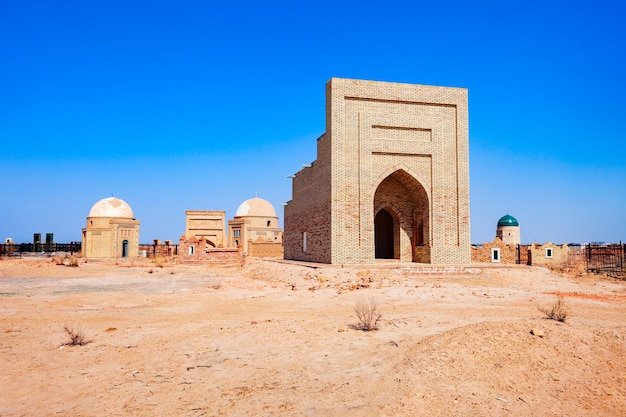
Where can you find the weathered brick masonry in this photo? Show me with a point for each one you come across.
(547, 254)
(201, 251)
(391, 179)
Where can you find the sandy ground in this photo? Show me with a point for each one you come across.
(278, 339)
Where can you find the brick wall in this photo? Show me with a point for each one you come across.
(400, 147)
(104, 237)
(203, 252)
(508, 253)
(208, 224)
(559, 254)
(309, 210)
(262, 249)
(422, 254)
(509, 234)
(158, 250)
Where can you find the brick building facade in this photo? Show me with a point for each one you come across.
(256, 222)
(209, 225)
(111, 230)
(391, 179)
(253, 232)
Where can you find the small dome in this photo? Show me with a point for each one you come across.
(111, 207)
(507, 220)
(256, 207)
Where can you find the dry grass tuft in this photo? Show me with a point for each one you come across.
(76, 335)
(368, 315)
(158, 261)
(72, 261)
(558, 311)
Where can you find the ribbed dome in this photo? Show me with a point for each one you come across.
(507, 220)
(256, 207)
(111, 207)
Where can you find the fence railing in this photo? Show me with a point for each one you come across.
(606, 259)
(17, 249)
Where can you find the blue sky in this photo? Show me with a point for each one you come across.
(196, 105)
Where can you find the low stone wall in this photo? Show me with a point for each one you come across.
(201, 252)
(265, 249)
(558, 254)
(508, 253)
(547, 254)
(160, 250)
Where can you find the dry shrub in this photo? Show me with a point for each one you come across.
(558, 311)
(76, 334)
(72, 261)
(158, 261)
(67, 260)
(368, 315)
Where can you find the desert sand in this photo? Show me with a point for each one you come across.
(274, 338)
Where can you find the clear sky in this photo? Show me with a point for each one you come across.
(200, 105)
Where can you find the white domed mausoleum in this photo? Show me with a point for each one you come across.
(255, 222)
(112, 230)
(508, 230)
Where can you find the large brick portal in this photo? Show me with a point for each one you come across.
(391, 179)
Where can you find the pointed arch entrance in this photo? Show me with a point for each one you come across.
(401, 219)
(384, 235)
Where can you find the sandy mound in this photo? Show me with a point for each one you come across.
(488, 368)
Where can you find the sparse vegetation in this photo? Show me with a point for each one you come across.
(72, 261)
(557, 312)
(67, 260)
(368, 315)
(158, 261)
(76, 334)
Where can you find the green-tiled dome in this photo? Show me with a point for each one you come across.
(507, 220)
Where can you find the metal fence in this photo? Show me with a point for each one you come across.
(606, 259)
(17, 249)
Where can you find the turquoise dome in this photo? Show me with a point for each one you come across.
(507, 220)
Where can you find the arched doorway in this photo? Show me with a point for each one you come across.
(383, 235)
(402, 200)
(125, 249)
